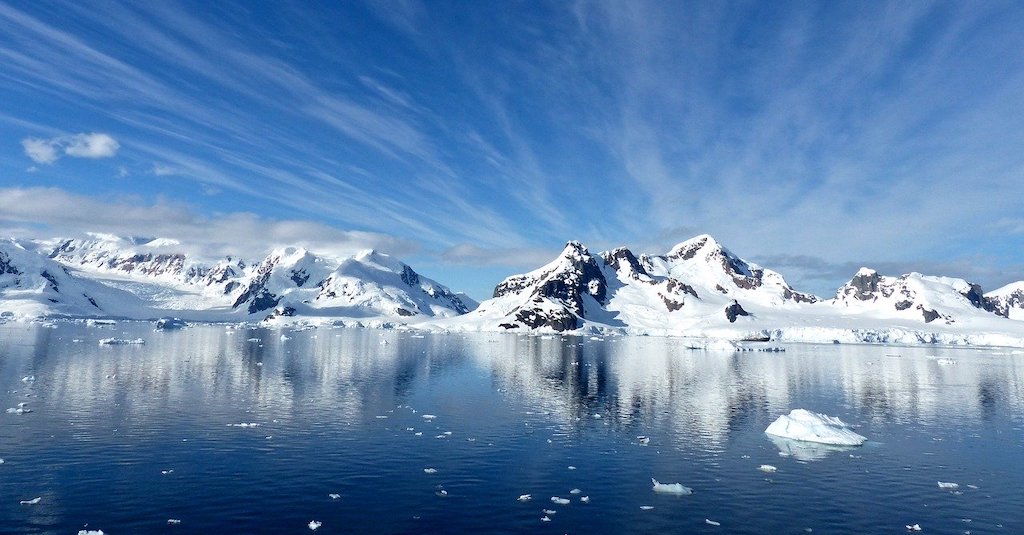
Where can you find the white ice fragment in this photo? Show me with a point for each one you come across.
(419, 433)
(572, 467)
(945, 361)
(644, 440)
(165, 472)
(584, 499)
(950, 486)
(18, 410)
(671, 488)
(90, 532)
(807, 426)
(382, 417)
(173, 521)
(545, 519)
(524, 497)
(913, 527)
(121, 341)
(334, 496)
(428, 416)
(430, 470)
(1, 461)
(712, 522)
(767, 468)
(646, 507)
(575, 491)
(559, 501)
(285, 338)
(314, 525)
(548, 511)
(33, 501)
(245, 425)
(28, 378)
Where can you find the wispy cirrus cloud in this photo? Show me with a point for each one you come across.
(91, 145)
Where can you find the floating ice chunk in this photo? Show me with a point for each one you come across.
(419, 433)
(90, 532)
(382, 417)
(314, 525)
(572, 467)
(545, 519)
(33, 501)
(1, 461)
(253, 340)
(19, 410)
(575, 491)
(643, 440)
(334, 496)
(170, 324)
(430, 470)
(584, 499)
(950, 486)
(440, 491)
(428, 416)
(945, 361)
(913, 527)
(548, 511)
(646, 507)
(173, 521)
(710, 522)
(121, 341)
(807, 426)
(165, 472)
(525, 497)
(245, 425)
(28, 378)
(805, 451)
(671, 488)
(767, 468)
(559, 501)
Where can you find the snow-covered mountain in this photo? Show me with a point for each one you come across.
(150, 278)
(1009, 300)
(914, 296)
(701, 289)
(698, 283)
(32, 285)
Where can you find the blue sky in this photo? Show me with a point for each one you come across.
(472, 139)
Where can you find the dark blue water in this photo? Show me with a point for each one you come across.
(334, 408)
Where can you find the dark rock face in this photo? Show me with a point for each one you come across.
(978, 299)
(734, 311)
(864, 286)
(256, 293)
(559, 320)
(52, 280)
(403, 312)
(623, 260)
(410, 277)
(262, 301)
(6, 267)
(299, 277)
(928, 314)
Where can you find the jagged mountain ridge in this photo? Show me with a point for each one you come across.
(700, 286)
(147, 278)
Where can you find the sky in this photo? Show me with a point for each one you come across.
(473, 139)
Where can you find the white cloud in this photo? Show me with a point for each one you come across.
(160, 169)
(238, 234)
(42, 151)
(91, 145)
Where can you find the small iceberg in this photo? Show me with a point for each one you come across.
(806, 426)
(767, 468)
(173, 521)
(559, 501)
(33, 501)
(948, 486)
(170, 324)
(334, 496)
(314, 525)
(584, 499)
(524, 497)
(575, 491)
(710, 522)
(913, 527)
(430, 470)
(90, 532)
(121, 341)
(671, 488)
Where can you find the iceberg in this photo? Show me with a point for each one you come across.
(806, 426)
(671, 488)
(121, 341)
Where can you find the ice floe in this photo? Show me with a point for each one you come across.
(430, 470)
(525, 497)
(245, 425)
(806, 426)
(559, 501)
(767, 468)
(913, 527)
(646, 507)
(948, 486)
(121, 341)
(314, 525)
(334, 496)
(710, 522)
(33, 501)
(584, 499)
(90, 532)
(671, 488)
(575, 491)
(173, 521)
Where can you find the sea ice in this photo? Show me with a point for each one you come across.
(545, 519)
(805, 451)
(428, 416)
(767, 468)
(559, 501)
(334, 496)
(646, 507)
(430, 470)
(314, 525)
(548, 511)
(671, 488)
(950, 486)
(33, 501)
(643, 440)
(90, 532)
(28, 378)
(584, 499)
(575, 491)
(807, 426)
(173, 521)
(121, 341)
(913, 527)
(18, 410)
(524, 497)
(712, 522)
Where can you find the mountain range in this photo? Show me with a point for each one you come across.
(698, 289)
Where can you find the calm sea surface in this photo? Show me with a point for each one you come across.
(125, 438)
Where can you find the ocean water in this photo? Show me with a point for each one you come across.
(125, 438)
